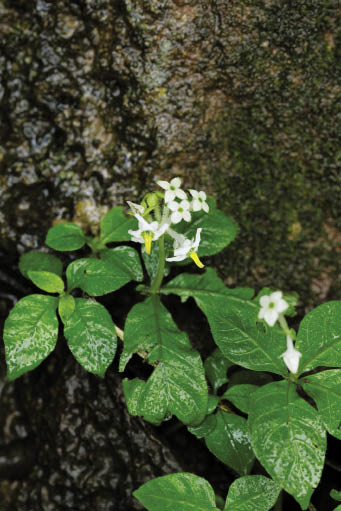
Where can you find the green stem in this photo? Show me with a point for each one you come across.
(157, 281)
(284, 324)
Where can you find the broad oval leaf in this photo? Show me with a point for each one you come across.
(115, 225)
(288, 438)
(91, 336)
(203, 287)
(229, 441)
(30, 333)
(180, 492)
(66, 307)
(40, 261)
(240, 396)
(98, 277)
(47, 281)
(206, 427)
(335, 494)
(252, 493)
(65, 236)
(126, 259)
(319, 337)
(233, 321)
(325, 389)
(216, 366)
(179, 379)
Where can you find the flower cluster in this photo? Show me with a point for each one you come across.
(272, 308)
(177, 207)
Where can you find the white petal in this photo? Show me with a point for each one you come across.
(173, 206)
(176, 181)
(270, 316)
(176, 258)
(180, 193)
(184, 204)
(164, 184)
(194, 194)
(261, 313)
(136, 208)
(176, 217)
(281, 305)
(205, 207)
(169, 196)
(186, 216)
(277, 295)
(202, 195)
(143, 224)
(197, 238)
(196, 205)
(264, 300)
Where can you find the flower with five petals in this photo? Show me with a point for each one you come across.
(271, 307)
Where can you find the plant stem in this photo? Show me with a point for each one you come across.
(284, 324)
(157, 281)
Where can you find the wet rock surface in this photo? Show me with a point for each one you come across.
(71, 444)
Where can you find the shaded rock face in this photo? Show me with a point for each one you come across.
(70, 443)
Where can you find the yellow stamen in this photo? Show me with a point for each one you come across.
(148, 236)
(196, 259)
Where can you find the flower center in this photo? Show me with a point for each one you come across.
(193, 255)
(181, 210)
(148, 236)
(172, 188)
(271, 305)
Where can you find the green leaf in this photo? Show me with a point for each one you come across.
(325, 389)
(65, 236)
(218, 230)
(101, 276)
(216, 366)
(40, 261)
(240, 396)
(204, 287)
(234, 323)
(180, 492)
(126, 259)
(335, 494)
(252, 493)
(91, 336)
(288, 438)
(206, 427)
(319, 337)
(229, 441)
(47, 281)
(66, 307)
(338, 508)
(115, 225)
(30, 333)
(178, 381)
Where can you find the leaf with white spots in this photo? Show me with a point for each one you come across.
(91, 336)
(325, 389)
(180, 492)
(319, 337)
(30, 333)
(252, 493)
(177, 385)
(288, 438)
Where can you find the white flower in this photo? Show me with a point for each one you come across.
(184, 247)
(172, 189)
(199, 201)
(136, 208)
(180, 210)
(272, 306)
(148, 232)
(291, 356)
